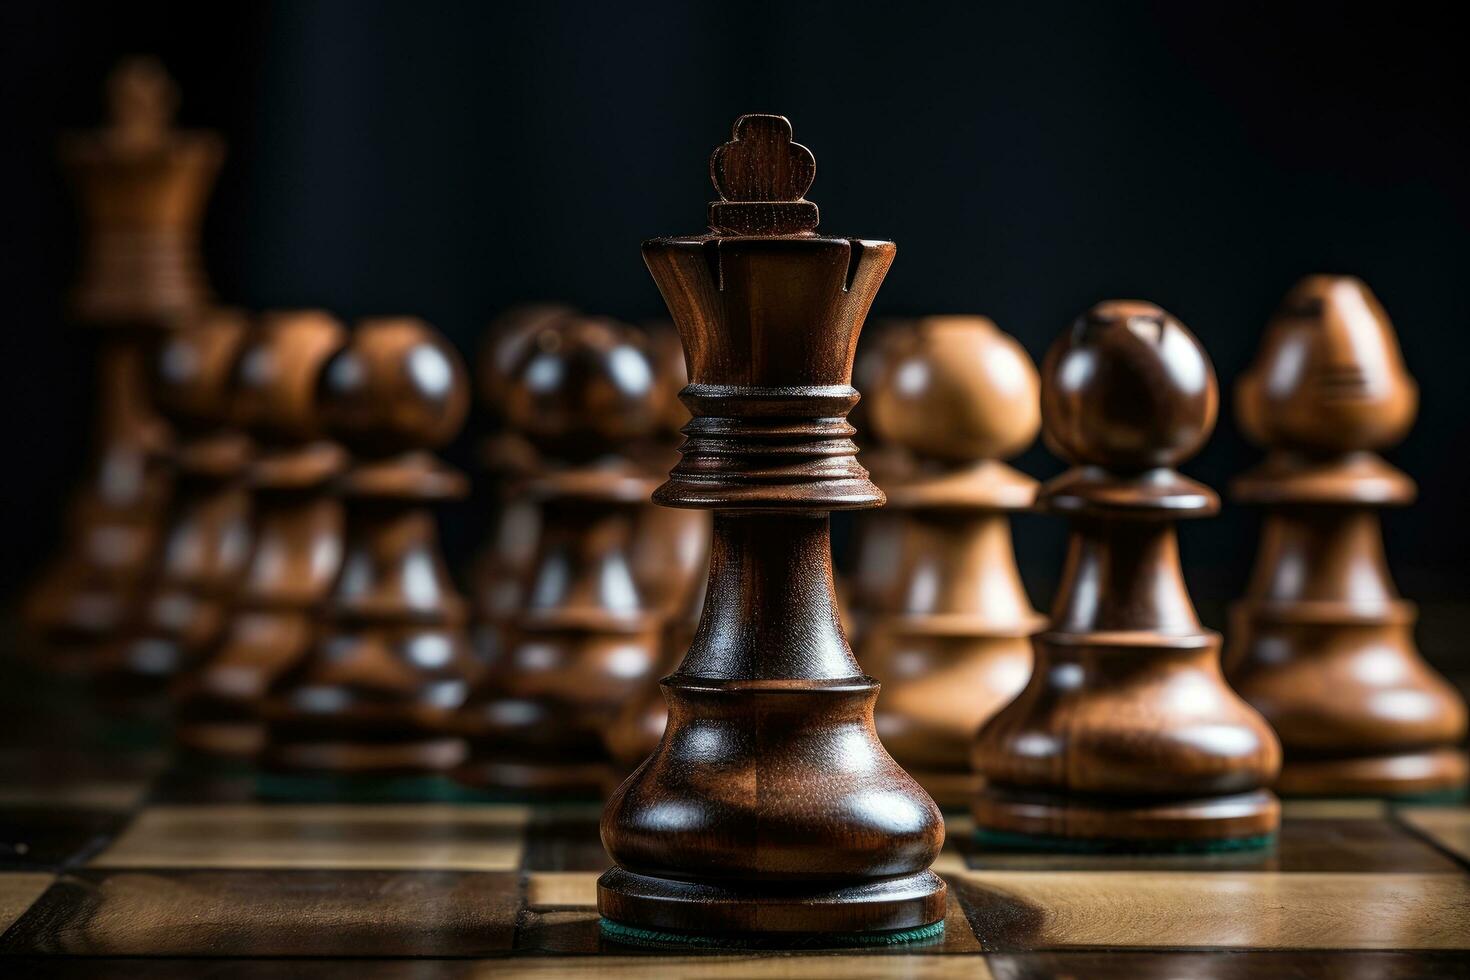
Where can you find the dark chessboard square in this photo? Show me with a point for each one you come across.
(51, 837)
(1242, 965)
(565, 838)
(271, 913)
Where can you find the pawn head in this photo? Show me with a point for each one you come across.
(1329, 376)
(505, 342)
(194, 369)
(276, 377)
(397, 386)
(1127, 388)
(956, 388)
(583, 385)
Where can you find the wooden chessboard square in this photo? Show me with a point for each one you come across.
(565, 838)
(51, 836)
(259, 913)
(1109, 964)
(1026, 910)
(1449, 827)
(18, 889)
(422, 837)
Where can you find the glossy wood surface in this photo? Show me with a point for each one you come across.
(1322, 643)
(769, 806)
(952, 645)
(1127, 730)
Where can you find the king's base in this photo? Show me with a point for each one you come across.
(1428, 774)
(1080, 823)
(646, 910)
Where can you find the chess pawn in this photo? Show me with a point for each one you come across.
(584, 638)
(142, 188)
(953, 646)
(297, 520)
(1322, 644)
(871, 585)
(372, 700)
(1126, 733)
(206, 539)
(769, 806)
(503, 563)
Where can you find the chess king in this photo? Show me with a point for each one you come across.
(770, 811)
(1322, 644)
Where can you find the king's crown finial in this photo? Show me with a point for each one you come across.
(762, 177)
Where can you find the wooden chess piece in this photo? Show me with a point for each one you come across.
(1126, 735)
(770, 808)
(142, 187)
(206, 537)
(871, 585)
(366, 712)
(297, 519)
(1322, 644)
(501, 568)
(955, 644)
(584, 638)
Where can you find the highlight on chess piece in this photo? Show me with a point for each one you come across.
(1126, 735)
(769, 811)
(141, 187)
(1322, 643)
(953, 645)
(366, 713)
(297, 534)
(584, 637)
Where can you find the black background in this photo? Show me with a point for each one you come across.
(450, 159)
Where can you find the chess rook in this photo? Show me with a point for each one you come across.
(769, 809)
(374, 696)
(142, 187)
(584, 638)
(952, 645)
(297, 533)
(1322, 643)
(1126, 733)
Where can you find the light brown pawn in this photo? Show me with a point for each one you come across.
(953, 644)
(297, 520)
(141, 187)
(500, 569)
(206, 537)
(585, 638)
(372, 700)
(1126, 734)
(1322, 644)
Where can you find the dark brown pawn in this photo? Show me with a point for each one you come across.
(297, 537)
(770, 806)
(953, 645)
(206, 538)
(374, 697)
(584, 639)
(1127, 731)
(141, 187)
(504, 562)
(1322, 644)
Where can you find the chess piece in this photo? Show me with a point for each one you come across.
(584, 638)
(366, 712)
(871, 585)
(1126, 734)
(297, 519)
(142, 188)
(1322, 644)
(504, 562)
(206, 536)
(954, 645)
(770, 809)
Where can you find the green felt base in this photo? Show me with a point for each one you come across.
(294, 788)
(633, 936)
(1011, 841)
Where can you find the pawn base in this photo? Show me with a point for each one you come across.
(1139, 825)
(645, 909)
(1425, 773)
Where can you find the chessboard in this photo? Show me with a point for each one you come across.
(115, 861)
